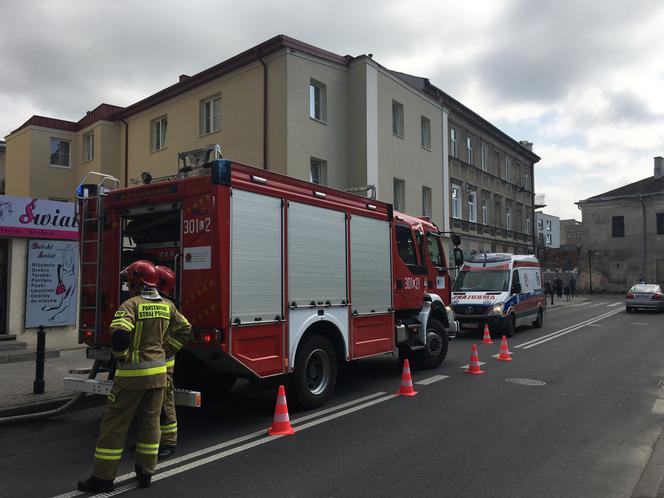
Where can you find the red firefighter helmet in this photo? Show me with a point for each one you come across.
(141, 272)
(165, 280)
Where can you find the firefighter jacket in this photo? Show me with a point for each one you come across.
(138, 332)
(178, 333)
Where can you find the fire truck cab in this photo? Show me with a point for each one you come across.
(277, 275)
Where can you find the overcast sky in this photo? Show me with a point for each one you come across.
(583, 80)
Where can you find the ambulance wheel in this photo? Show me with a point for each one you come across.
(511, 326)
(435, 349)
(540, 319)
(315, 373)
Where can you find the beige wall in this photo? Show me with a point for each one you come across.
(17, 174)
(405, 158)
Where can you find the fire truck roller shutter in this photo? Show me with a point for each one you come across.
(370, 265)
(256, 257)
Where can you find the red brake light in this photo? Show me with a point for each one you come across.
(88, 333)
(630, 295)
(657, 296)
(207, 336)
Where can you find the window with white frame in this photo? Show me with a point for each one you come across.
(426, 201)
(397, 118)
(210, 113)
(472, 206)
(317, 100)
(508, 218)
(485, 211)
(469, 150)
(318, 171)
(528, 225)
(456, 201)
(508, 169)
(159, 133)
(485, 157)
(548, 225)
(399, 187)
(454, 147)
(548, 239)
(540, 224)
(426, 133)
(89, 146)
(60, 153)
(527, 181)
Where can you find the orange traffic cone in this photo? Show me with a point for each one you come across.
(504, 351)
(281, 423)
(474, 366)
(487, 335)
(406, 388)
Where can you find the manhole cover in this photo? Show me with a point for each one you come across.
(526, 382)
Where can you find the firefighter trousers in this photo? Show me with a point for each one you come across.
(168, 419)
(122, 406)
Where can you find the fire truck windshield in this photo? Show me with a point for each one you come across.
(482, 280)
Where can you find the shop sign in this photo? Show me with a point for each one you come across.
(29, 217)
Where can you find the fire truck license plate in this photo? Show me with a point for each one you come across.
(98, 354)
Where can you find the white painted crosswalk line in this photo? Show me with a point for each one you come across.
(431, 380)
(465, 367)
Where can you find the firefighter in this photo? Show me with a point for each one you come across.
(175, 339)
(137, 343)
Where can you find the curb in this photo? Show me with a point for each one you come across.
(89, 401)
(27, 356)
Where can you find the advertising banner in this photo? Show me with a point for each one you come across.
(51, 295)
(28, 217)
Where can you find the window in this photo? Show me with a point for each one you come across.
(548, 239)
(660, 223)
(527, 182)
(426, 133)
(406, 245)
(508, 169)
(159, 133)
(397, 118)
(435, 253)
(528, 225)
(548, 225)
(497, 214)
(469, 150)
(618, 226)
(508, 218)
(454, 148)
(399, 187)
(210, 115)
(317, 101)
(318, 171)
(515, 280)
(456, 201)
(485, 157)
(89, 146)
(472, 206)
(485, 211)
(426, 201)
(60, 153)
(540, 224)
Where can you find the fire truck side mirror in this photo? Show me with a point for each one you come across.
(458, 256)
(456, 239)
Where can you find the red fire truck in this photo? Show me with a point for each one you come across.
(277, 275)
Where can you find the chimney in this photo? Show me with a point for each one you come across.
(184, 77)
(659, 167)
(528, 145)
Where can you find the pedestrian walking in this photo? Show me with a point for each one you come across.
(137, 343)
(176, 336)
(566, 291)
(572, 286)
(548, 290)
(559, 287)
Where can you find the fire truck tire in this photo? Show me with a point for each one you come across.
(315, 373)
(435, 350)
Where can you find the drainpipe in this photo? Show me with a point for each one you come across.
(126, 154)
(260, 59)
(643, 261)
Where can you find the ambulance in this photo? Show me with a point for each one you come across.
(502, 290)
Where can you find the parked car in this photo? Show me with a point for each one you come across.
(644, 296)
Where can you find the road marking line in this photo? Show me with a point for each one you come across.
(559, 333)
(498, 355)
(581, 304)
(658, 407)
(593, 325)
(480, 363)
(638, 323)
(252, 444)
(431, 380)
(231, 442)
(599, 304)
(614, 304)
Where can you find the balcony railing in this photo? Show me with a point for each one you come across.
(540, 201)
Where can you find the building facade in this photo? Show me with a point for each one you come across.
(623, 235)
(547, 230)
(571, 233)
(286, 106)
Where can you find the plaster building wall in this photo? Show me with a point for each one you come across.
(571, 233)
(3, 155)
(548, 230)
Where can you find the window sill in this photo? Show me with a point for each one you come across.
(59, 166)
(158, 150)
(398, 136)
(318, 120)
(426, 148)
(87, 161)
(207, 134)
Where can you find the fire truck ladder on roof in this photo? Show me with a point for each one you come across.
(93, 189)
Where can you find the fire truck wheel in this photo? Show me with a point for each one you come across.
(435, 350)
(315, 372)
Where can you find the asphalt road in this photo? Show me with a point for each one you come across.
(574, 414)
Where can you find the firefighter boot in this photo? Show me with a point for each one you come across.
(95, 485)
(144, 480)
(165, 451)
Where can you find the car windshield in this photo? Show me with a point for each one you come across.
(482, 280)
(645, 288)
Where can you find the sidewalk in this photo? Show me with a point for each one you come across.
(17, 378)
(560, 301)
